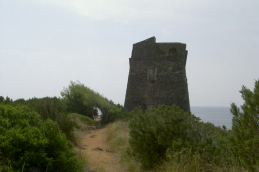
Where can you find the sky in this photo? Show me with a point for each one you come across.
(45, 44)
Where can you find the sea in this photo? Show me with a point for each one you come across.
(218, 116)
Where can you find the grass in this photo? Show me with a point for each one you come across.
(83, 119)
(192, 163)
(82, 157)
(117, 139)
(117, 136)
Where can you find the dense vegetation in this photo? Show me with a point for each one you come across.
(38, 133)
(80, 99)
(167, 130)
(26, 141)
(168, 139)
(169, 133)
(244, 136)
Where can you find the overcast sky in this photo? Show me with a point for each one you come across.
(45, 44)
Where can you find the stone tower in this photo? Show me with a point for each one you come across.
(157, 75)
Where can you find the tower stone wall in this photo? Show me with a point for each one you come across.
(157, 75)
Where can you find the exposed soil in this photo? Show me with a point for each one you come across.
(100, 159)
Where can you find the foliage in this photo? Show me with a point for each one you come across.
(47, 107)
(193, 162)
(27, 141)
(83, 100)
(50, 108)
(86, 120)
(78, 99)
(150, 133)
(245, 129)
(185, 160)
(116, 113)
(6, 100)
(19, 102)
(164, 130)
(1, 99)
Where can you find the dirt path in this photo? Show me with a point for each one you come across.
(100, 158)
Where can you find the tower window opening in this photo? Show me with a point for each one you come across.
(172, 54)
(152, 74)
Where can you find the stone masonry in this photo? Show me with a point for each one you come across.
(157, 75)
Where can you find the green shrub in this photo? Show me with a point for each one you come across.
(50, 108)
(80, 99)
(86, 120)
(27, 141)
(47, 107)
(166, 130)
(153, 132)
(245, 129)
(117, 113)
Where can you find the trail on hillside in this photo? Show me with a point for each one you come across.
(100, 159)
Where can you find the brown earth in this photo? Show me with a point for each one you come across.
(100, 159)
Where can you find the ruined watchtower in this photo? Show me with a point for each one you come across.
(157, 75)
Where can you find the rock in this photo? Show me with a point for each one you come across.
(87, 170)
(92, 136)
(97, 149)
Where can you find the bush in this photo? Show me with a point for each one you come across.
(153, 132)
(80, 99)
(86, 120)
(26, 141)
(117, 113)
(245, 129)
(166, 130)
(50, 108)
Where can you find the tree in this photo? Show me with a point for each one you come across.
(77, 99)
(7, 100)
(245, 128)
(83, 100)
(1, 99)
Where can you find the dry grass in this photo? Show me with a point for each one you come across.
(82, 156)
(73, 135)
(117, 139)
(117, 136)
(193, 163)
(80, 125)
